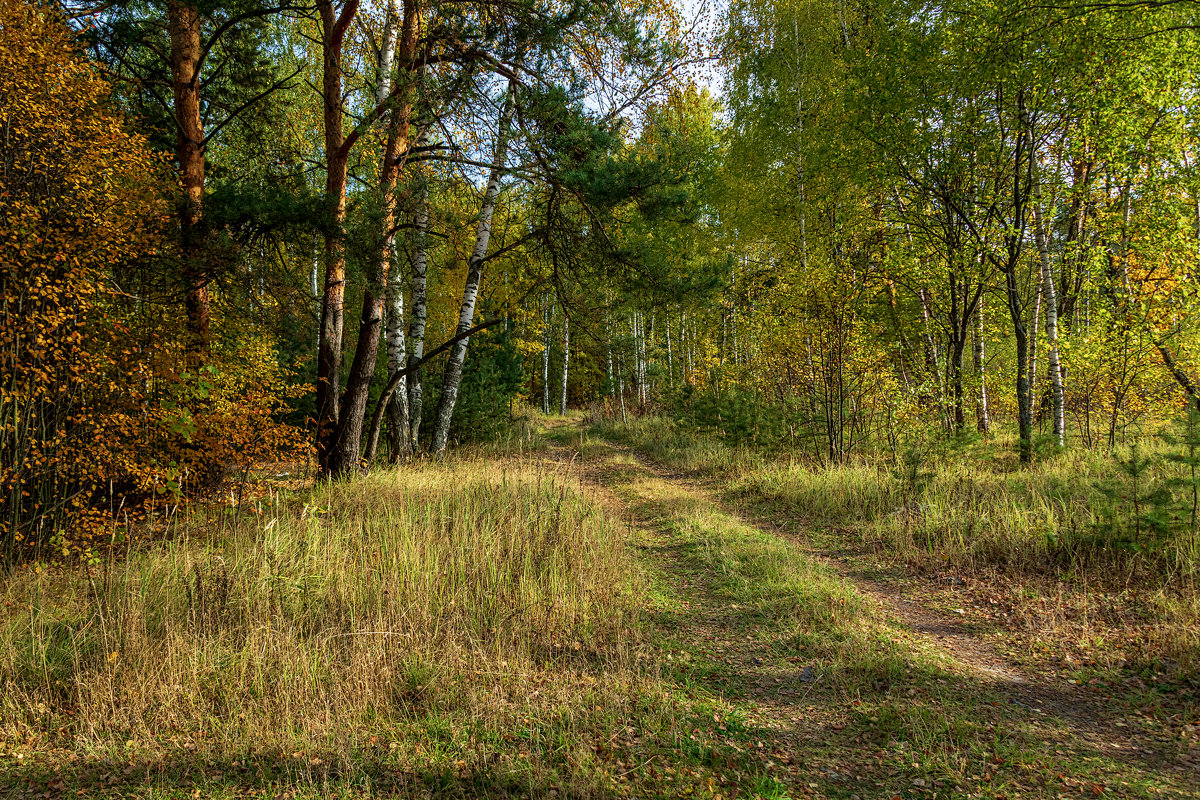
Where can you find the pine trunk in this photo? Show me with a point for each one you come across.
(329, 346)
(183, 24)
(344, 455)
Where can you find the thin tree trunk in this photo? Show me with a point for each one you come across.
(397, 360)
(546, 354)
(562, 407)
(454, 364)
(1051, 302)
(314, 276)
(416, 325)
(1024, 409)
(609, 386)
(691, 349)
(637, 357)
(670, 360)
(957, 348)
(980, 358)
(932, 362)
(621, 389)
(639, 344)
(800, 50)
(1035, 323)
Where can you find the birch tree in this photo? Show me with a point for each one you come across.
(452, 374)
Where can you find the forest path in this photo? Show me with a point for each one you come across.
(856, 691)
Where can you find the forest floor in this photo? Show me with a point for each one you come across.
(855, 678)
(615, 628)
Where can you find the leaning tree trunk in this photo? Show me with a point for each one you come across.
(562, 406)
(452, 375)
(183, 24)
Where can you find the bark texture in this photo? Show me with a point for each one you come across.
(416, 329)
(183, 25)
(1050, 297)
(562, 407)
(452, 375)
(329, 345)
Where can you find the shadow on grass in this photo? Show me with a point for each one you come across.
(190, 775)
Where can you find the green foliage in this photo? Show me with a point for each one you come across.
(1186, 485)
(1139, 501)
(492, 377)
(739, 417)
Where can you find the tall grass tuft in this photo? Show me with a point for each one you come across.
(318, 623)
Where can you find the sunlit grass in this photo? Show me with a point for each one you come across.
(877, 698)
(365, 616)
(971, 508)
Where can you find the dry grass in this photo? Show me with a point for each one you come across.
(406, 617)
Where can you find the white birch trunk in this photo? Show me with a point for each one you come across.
(314, 276)
(483, 234)
(398, 409)
(387, 54)
(610, 387)
(393, 332)
(639, 344)
(562, 407)
(416, 329)
(1058, 417)
(1033, 345)
(981, 409)
(546, 354)
(670, 361)
(621, 389)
